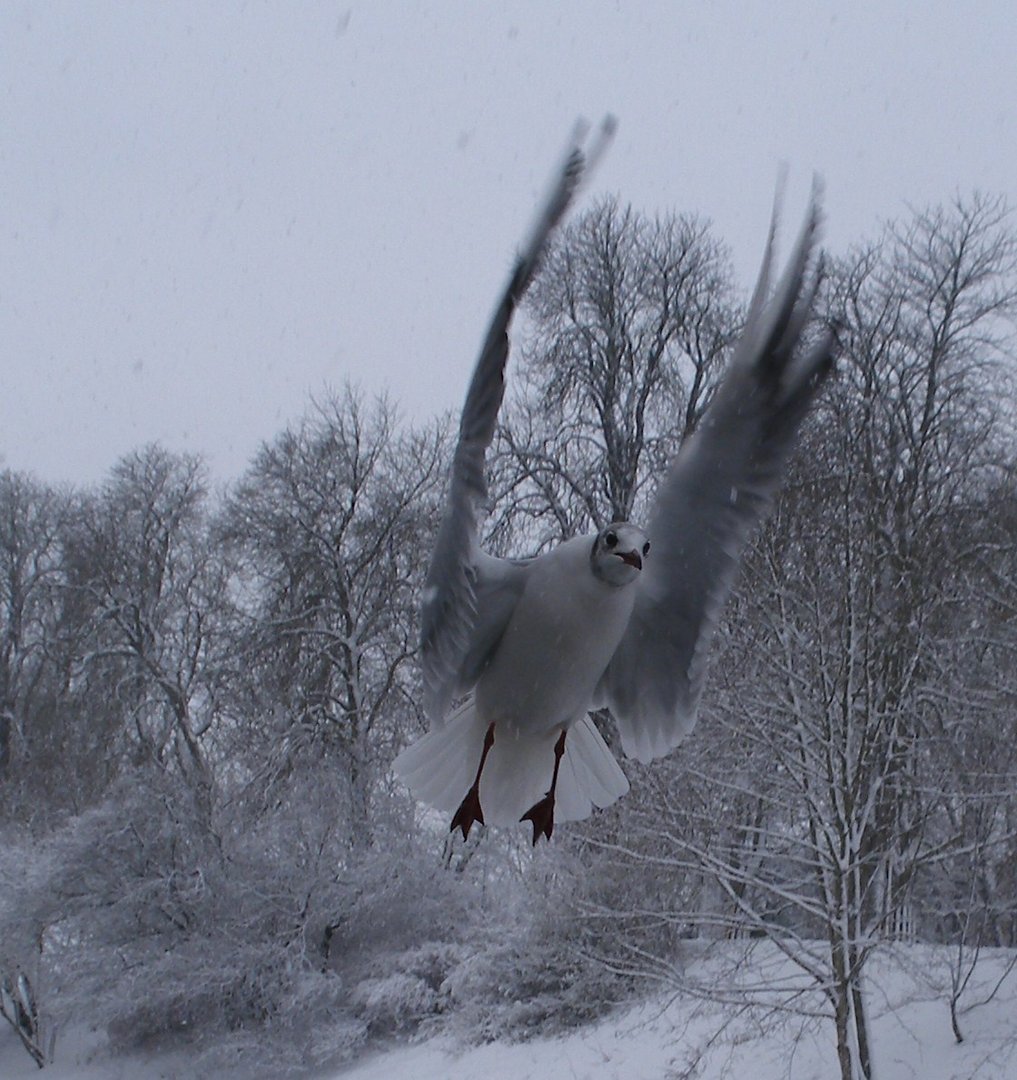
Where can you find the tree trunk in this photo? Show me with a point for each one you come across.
(849, 1015)
(842, 1016)
(5, 741)
(861, 1027)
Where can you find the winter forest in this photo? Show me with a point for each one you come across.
(202, 690)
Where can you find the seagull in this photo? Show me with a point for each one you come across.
(517, 652)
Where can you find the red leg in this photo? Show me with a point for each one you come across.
(541, 814)
(469, 809)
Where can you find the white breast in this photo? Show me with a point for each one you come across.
(564, 630)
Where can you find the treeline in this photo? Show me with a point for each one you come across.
(201, 691)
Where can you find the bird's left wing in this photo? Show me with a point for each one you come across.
(468, 595)
(719, 486)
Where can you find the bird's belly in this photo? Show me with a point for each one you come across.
(547, 665)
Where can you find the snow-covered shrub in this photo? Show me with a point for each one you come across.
(172, 912)
(530, 963)
(413, 994)
(395, 1002)
(18, 929)
(23, 1004)
(520, 984)
(310, 1027)
(161, 924)
(162, 919)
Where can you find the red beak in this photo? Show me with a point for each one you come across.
(631, 557)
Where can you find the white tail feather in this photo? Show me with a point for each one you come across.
(440, 767)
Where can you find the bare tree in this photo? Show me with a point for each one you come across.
(30, 517)
(630, 318)
(970, 903)
(333, 520)
(154, 590)
(819, 802)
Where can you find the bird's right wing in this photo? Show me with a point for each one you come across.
(462, 579)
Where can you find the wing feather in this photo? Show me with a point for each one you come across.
(719, 487)
(466, 590)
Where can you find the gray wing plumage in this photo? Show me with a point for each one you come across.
(469, 595)
(719, 486)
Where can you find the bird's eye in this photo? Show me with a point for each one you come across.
(611, 539)
(646, 548)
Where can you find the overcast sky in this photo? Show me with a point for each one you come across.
(211, 211)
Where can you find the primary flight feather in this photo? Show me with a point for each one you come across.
(621, 618)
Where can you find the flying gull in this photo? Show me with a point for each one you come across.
(516, 653)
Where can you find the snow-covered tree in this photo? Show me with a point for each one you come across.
(153, 591)
(332, 523)
(816, 799)
(628, 323)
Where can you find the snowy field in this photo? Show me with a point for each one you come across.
(677, 1037)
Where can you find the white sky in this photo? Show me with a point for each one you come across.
(209, 211)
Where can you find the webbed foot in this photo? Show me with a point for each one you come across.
(541, 814)
(469, 811)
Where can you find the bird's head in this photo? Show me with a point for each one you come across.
(618, 553)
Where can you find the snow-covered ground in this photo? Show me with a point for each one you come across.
(676, 1037)
(679, 1037)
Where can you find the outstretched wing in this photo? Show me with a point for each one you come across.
(720, 485)
(469, 596)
